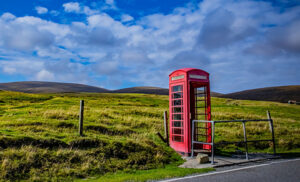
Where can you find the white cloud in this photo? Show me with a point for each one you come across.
(110, 2)
(88, 11)
(103, 20)
(8, 16)
(21, 65)
(54, 12)
(9, 70)
(44, 75)
(24, 34)
(72, 7)
(134, 57)
(41, 10)
(126, 18)
(107, 67)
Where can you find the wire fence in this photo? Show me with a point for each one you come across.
(213, 123)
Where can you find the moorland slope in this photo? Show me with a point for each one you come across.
(54, 87)
(49, 87)
(144, 90)
(279, 94)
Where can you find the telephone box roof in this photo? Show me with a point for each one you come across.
(188, 70)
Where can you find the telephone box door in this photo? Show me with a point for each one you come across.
(200, 110)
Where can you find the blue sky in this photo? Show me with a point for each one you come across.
(243, 44)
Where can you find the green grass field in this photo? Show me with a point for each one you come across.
(39, 135)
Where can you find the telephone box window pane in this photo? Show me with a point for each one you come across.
(177, 88)
(177, 95)
(177, 116)
(177, 109)
(178, 138)
(177, 124)
(177, 102)
(177, 131)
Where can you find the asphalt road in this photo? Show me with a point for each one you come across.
(271, 171)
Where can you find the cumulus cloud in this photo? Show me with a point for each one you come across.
(188, 59)
(21, 66)
(75, 7)
(54, 12)
(41, 10)
(279, 40)
(219, 31)
(126, 18)
(8, 16)
(246, 43)
(291, 41)
(111, 4)
(44, 75)
(72, 7)
(107, 67)
(23, 34)
(9, 70)
(135, 57)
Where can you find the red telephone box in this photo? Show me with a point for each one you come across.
(189, 99)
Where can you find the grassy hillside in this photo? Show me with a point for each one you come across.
(279, 94)
(39, 140)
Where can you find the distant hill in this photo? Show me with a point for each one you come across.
(56, 87)
(152, 90)
(49, 87)
(144, 90)
(279, 94)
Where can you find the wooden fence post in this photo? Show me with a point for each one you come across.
(272, 130)
(166, 127)
(81, 117)
(245, 140)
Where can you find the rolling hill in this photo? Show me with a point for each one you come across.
(279, 94)
(152, 90)
(55, 87)
(144, 90)
(49, 87)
